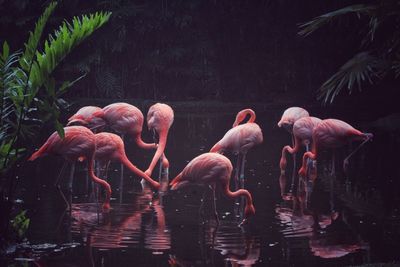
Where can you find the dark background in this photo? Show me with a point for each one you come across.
(191, 50)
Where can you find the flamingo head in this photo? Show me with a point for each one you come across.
(249, 210)
(77, 122)
(368, 136)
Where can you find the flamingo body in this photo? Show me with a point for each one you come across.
(89, 116)
(78, 143)
(332, 133)
(212, 169)
(110, 147)
(302, 132)
(240, 139)
(291, 115)
(159, 118)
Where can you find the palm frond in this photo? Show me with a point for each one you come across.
(362, 67)
(311, 26)
(35, 36)
(67, 37)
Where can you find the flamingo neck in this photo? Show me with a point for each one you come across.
(245, 112)
(139, 141)
(99, 181)
(138, 172)
(238, 193)
(216, 148)
(291, 150)
(160, 150)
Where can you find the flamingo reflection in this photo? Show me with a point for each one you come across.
(125, 226)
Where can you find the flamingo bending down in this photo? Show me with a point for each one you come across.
(212, 169)
(109, 147)
(289, 117)
(302, 132)
(78, 143)
(240, 139)
(332, 133)
(159, 118)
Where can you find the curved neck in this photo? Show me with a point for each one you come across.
(99, 181)
(160, 150)
(241, 118)
(252, 115)
(238, 193)
(216, 148)
(139, 141)
(138, 172)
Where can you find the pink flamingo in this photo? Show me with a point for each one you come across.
(90, 117)
(332, 133)
(289, 117)
(78, 143)
(212, 169)
(302, 132)
(109, 147)
(240, 139)
(159, 119)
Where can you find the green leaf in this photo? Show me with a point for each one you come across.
(59, 128)
(6, 50)
(34, 37)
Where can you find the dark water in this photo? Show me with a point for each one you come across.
(357, 224)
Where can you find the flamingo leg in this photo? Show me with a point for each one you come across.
(237, 172)
(333, 163)
(241, 179)
(294, 166)
(215, 204)
(57, 184)
(346, 160)
(201, 208)
(70, 182)
(121, 180)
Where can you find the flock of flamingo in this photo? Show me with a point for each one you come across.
(84, 139)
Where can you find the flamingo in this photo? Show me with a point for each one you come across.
(212, 169)
(333, 133)
(109, 147)
(302, 132)
(78, 143)
(240, 139)
(159, 119)
(89, 116)
(289, 117)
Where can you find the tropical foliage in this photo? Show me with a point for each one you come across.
(30, 96)
(379, 54)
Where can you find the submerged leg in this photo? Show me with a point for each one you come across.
(57, 184)
(214, 204)
(70, 183)
(333, 163)
(242, 199)
(121, 180)
(294, 167)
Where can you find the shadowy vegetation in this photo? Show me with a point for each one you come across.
(379, 54)
(31, 98)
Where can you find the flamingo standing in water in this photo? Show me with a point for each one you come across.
(124, 119)
(78, 143)
(212, 169)
(239, 140)
(289, 117)
(302, 132)
(109, 147)
(159, 119)
(332, 133)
